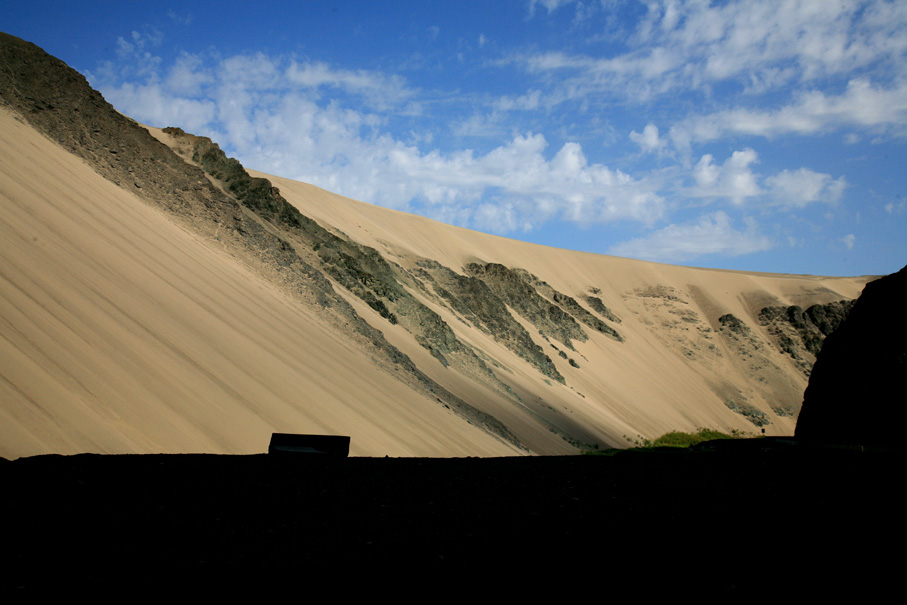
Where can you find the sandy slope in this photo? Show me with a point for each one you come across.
(122, 332)
(673, 372)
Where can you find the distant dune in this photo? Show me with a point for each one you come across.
(156, 297)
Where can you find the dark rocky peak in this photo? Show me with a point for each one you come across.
(257, 194)
(855, 393)
(57, 101)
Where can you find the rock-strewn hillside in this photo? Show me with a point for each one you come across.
(412, 336)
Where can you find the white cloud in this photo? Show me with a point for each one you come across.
(142, 62)
(733, 180)
(270, 113)
(800, 187)
(188, 75)
(896, 208)
(180, 18)
(550, 5)
(138, 42)
(849, 240)
(760, 44)
(649, 140)
(389, 89)
(861, 105)
(375, 136)
(711, 234)
(480, 125)
(517, 176)
(153, 105)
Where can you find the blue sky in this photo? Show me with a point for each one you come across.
(765, 135)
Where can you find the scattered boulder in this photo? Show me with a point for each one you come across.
(855, 390)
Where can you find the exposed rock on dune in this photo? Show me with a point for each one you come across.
(799, 333)
(157, 296)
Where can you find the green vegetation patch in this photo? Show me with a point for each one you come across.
(677, 439)
(681, 439)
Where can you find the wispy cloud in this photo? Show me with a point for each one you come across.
(861, 105)
(710, 234)
(760, 44)
(549, 5)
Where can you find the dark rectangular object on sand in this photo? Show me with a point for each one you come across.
(326, 445)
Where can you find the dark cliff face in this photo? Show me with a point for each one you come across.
(800, 333)
(855, 393)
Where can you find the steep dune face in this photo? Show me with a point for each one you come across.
(157, 297)
(124, 332)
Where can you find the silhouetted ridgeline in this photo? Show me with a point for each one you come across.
(856, 389)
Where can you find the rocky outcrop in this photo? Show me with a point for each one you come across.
(599, 307)
(476, 303)
(360, 269)
(554, 314)
(515, 290)
(855, 393)
(733, 324)
(800, 333)
(570, 305)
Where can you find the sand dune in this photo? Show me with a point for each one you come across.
(126, 326)
(665, 376)
(123, 332)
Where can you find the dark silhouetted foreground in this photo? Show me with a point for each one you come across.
(856, 390)
(756, 517)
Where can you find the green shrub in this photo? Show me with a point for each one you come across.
(680, 439)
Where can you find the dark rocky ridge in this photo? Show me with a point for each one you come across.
(599, 307)
(799, 333)
(515, 289)
(362, 270)
(569, 304)
(365, 272)
(856, 389)
(474, 300)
